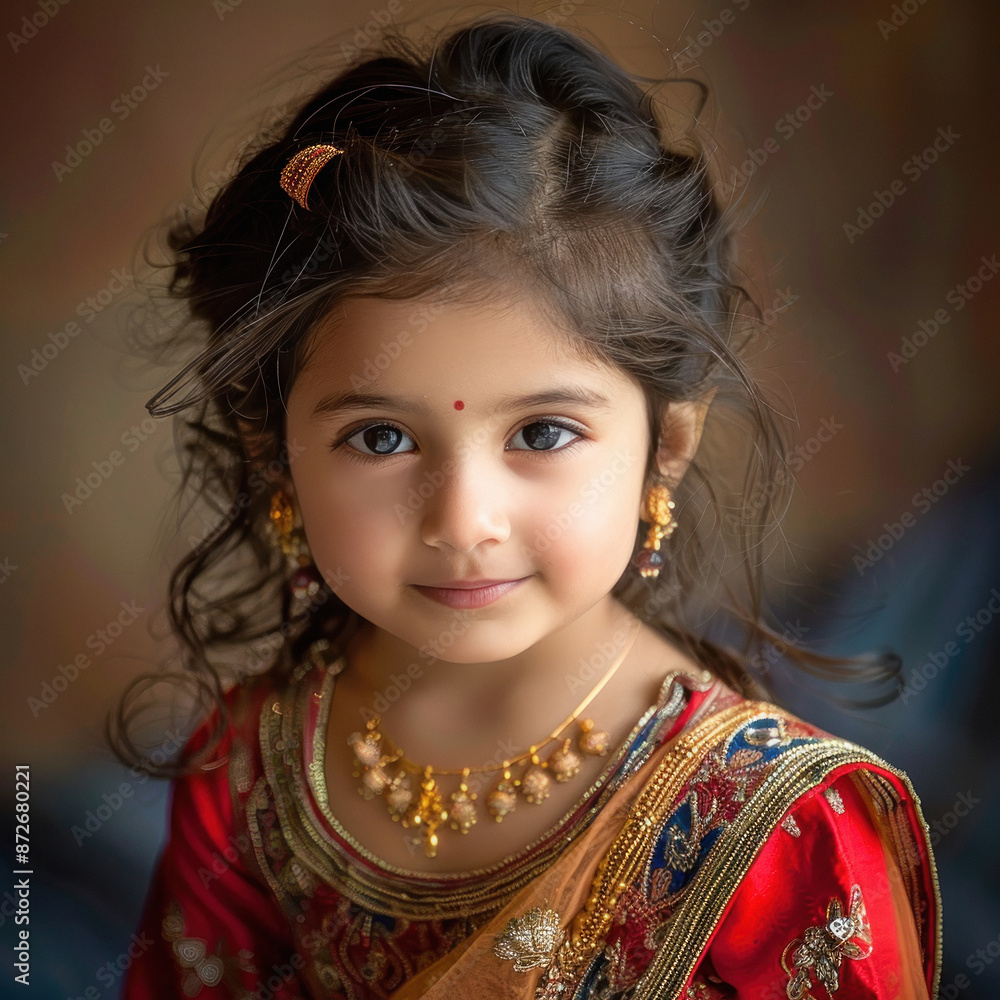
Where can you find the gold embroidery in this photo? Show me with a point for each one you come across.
(681, 849)
(698, 991)
(789, 825)
(173, 922)
(627, 854)
(801, 769)
(530, 940)
(836, 802)
(289, 780)
(190, 953)
(821, 950)
(239, 766)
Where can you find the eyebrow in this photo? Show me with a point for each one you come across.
(338, 402)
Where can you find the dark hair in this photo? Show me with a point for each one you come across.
(515, 153)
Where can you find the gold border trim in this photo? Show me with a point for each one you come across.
(799, 770)
(626, 856)
(282, 723)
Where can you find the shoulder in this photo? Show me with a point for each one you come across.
(752, 763)
(222, 753)
(234, 715)
(783, 830)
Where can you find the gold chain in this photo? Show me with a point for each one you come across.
(386, 771)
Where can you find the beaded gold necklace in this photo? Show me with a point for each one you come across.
(386, 771)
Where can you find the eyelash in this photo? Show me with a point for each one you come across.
(359, 456)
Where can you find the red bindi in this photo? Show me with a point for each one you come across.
(459, 405)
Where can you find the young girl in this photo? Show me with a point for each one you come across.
(467, 316)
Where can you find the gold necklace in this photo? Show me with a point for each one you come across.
(386, 771)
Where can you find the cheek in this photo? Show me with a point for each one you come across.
(592, 530)
(343, 526)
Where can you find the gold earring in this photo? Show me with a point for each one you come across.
(657, 509)
(304, 582)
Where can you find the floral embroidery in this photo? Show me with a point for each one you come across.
(698, 991)
(191, 954)
(789, 825)
(681, 848)
(836, 802)
(821, 950)
(530, 940)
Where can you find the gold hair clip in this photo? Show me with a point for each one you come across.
(302, 168)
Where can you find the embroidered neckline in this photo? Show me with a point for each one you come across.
(671, 701)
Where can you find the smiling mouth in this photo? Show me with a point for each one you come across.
(469, 593)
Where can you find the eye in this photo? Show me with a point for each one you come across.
(544, 435)
(377, 440)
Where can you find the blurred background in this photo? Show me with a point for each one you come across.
(859, 130)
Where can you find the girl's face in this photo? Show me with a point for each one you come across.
(441, 444)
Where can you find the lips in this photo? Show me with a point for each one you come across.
(469, 593)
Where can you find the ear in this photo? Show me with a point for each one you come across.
(680, 434)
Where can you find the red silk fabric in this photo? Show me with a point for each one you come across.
(220, 929)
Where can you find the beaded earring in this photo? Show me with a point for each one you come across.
(657, 509)
(304, 580)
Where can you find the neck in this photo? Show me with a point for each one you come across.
(519, 699)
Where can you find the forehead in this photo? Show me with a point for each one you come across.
(455, 346)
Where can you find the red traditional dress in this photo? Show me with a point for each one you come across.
(727, 850)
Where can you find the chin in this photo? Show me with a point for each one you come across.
(471, 641)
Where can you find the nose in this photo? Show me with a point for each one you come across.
(468, 506)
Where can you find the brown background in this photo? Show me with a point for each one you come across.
(851, 302)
